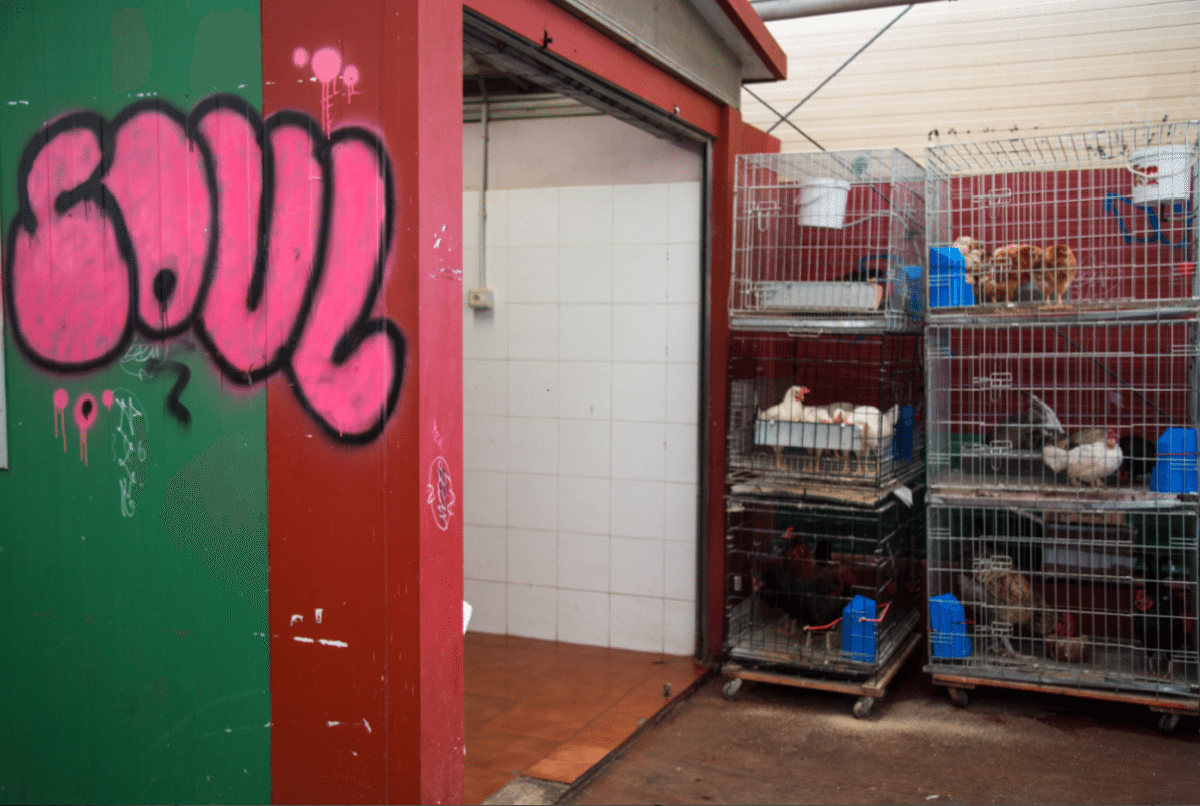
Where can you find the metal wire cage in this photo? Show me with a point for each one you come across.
(1029, 409)
(832, 239)
(858, 420)
(795, 569)
(1094, 221)
(1057, 597)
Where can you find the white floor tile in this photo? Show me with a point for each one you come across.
(532, 389)
(583, 562)
(485, 333)
(485, 552)
(583, 617)
(636, 566)
(586, 215)
(533, 557)
(681, 506)
(585, 390)
(684, 224)
(683, 334)
(489, 606)
(585, 448)
(640, 213)
(485, 498)
(683, 273)
(635, 622)
(533, 217)
(533, 611)
(639, 451)
(532, 445)
(585, 273)
(640, 333)
(637, 508)
(533, 274)
(679, 562)
(585, 332)
(681, 454)
(583, 504)
(639, 392)
(683, 393)
(532, 501)
(485, 388)
(532, 332)
(640, 273)
(485, 443)
(679, 627)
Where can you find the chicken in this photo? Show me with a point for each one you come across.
(1006, 271)
(973, 254)
(877, 429)
(1029, 430)
(1069, 647)
(791, 410)
(1163, 622)
(1003, 597)
(1057, 271)
(806, 584)
(1091, 462)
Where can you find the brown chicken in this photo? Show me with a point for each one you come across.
(1003, 596)
(1009, 268)
(1058, 270)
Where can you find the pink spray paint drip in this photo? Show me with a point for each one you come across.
(326, 63)
(85, 415)
(61, 399)
(106, 397)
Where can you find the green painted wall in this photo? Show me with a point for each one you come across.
(133, 648)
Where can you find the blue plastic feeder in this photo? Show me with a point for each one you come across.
(1175, 469)
(902, 435)
(948, 627)
(916, 291)
(858, 630)
(948, 286)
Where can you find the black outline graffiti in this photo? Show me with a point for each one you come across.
(183, 374)
(93, 191)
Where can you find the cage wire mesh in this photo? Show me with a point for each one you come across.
(1082, 222)
(836, 409)
(1057, 596)
(793, 567)
(1094, 411)
(830, 237)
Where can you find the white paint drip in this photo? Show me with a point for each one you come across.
(318, 613)
(331, 642)
(296, 617)
(366, 724)
(332, 723)
(302, 639)
(14, 103)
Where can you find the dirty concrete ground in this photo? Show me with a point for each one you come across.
(776, 744)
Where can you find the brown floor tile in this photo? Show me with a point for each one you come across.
(568, 762)
(479, 784)
(503, 752)
(646, 700)
(608, 730)
(479, 709)
(542, 721)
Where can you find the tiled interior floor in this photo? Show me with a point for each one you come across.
(550, 710)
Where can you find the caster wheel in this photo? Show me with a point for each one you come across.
(1166, 725)
(958, 697)
(732, 688)
(862, 707)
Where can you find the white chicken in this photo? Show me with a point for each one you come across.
(877, 427)
(792, 410)
(1092, 462)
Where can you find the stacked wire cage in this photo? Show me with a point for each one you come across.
(797, 569)
(828, 240)
(1063, 387)
(825, 437)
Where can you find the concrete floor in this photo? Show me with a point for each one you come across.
(775, 744)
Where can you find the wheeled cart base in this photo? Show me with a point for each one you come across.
(867, 690)
(1171, 708)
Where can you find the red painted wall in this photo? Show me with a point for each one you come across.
(735, 137)
(370, 534)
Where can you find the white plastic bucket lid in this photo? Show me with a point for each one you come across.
(1162, 173)
(823, 202)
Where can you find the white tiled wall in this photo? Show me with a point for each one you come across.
(580, 415)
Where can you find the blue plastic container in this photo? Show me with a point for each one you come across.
(915, 277)
(948, 627)
(948, 286)
(858, 637)
(1175, 469)
(902, 434)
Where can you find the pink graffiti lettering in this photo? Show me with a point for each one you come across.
(68, 284)
(441, 496)
(268, 238)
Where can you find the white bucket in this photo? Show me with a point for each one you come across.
(823, 202)
(1162, 173)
